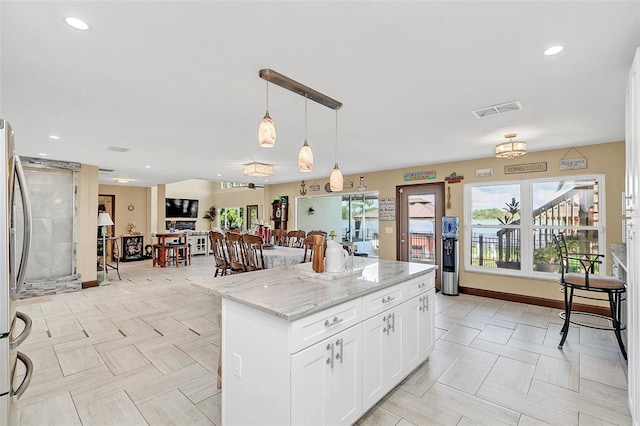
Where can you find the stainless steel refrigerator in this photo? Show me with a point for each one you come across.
(15, 226)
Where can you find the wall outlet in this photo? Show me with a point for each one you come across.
(237, 365)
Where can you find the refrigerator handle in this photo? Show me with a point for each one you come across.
(28, 225)
(25, 333)
(16, 394)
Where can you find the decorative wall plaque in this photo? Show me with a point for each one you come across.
(431, 174)
(573, 163)
(387, 209)
(525, 168)
(314, 188)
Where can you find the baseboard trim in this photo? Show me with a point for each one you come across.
(88, 284)
(531, 300)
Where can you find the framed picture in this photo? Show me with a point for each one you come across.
(252, 216)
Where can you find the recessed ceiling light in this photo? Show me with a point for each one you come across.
(76, 23)
(147, 166)
(219, 175)
(123, 180)
(553, 50)
(54, 137)
(42, 154)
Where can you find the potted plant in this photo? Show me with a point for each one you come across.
(211, 215)
(546, 259)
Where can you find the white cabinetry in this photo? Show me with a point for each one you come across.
(326, 368)
(326, 382)
(199, 244)
(420, 329)
(382, 343)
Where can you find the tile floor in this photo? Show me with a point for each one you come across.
(144, 350)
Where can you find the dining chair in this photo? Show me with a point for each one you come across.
(252, 250)
(234, 251)
(295, 238)
(309, 242)
(323, 233)
(588, 281)
(179, 250)
(219, 253)
(279, 237)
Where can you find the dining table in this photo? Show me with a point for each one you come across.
(275, 256)
(163, 240)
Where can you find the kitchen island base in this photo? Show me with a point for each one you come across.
(329, 367)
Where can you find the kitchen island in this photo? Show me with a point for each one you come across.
(300, 348)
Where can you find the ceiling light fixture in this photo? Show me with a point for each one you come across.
(123, 180)
(267, 129)
(257, 169)
(553, 50)
(305, 157)
(336, 180)
(76, 23)
(512, 148)
(54, 137)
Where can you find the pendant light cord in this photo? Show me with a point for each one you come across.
(267, 96)
(336, 152)
(305, 117)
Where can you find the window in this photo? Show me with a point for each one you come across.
(231, 218)
(509, 226)
(232, 185)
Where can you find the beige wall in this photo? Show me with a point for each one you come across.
(605, 158)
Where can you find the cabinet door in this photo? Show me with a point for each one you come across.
(326, 381)
(346, 378)
(420, 332)
(382, 354)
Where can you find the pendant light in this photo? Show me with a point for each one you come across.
(305, 158)
(267, 129)
(336, 181)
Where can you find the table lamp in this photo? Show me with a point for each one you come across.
(104, 220)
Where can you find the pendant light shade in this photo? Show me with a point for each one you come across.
(267, 129)
(336, 180)
(305, 158)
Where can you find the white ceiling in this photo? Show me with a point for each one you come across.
(177, 82)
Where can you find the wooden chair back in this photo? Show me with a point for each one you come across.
(309, 242)
(234, 251)
(219, 253)
(279, 237)
(295, 238)
(252, 250)
(323, 233)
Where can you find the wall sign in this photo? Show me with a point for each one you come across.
(484, 172)
(431, 174)
(314, 187)
(387, 209)
(573, 163)
(525, 168)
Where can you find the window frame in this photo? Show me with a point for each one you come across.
(527, 226)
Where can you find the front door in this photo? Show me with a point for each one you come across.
(419, 221)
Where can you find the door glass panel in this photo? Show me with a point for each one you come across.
(422, 225)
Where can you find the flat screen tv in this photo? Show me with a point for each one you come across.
(181, 208)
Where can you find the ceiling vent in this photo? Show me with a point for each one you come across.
(105, 171)
(497, 109)
(117, 149)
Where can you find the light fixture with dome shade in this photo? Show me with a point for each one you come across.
(336, 180)
(267, 129)
(305, 158)
(512, 148)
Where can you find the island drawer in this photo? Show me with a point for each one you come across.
(419, 285)
(316, 327)
(381, 300)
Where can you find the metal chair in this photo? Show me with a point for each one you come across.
(219, 253)
(234, 251)
(588, 281)
(252, 251)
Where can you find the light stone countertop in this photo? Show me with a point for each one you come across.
(289, 293)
